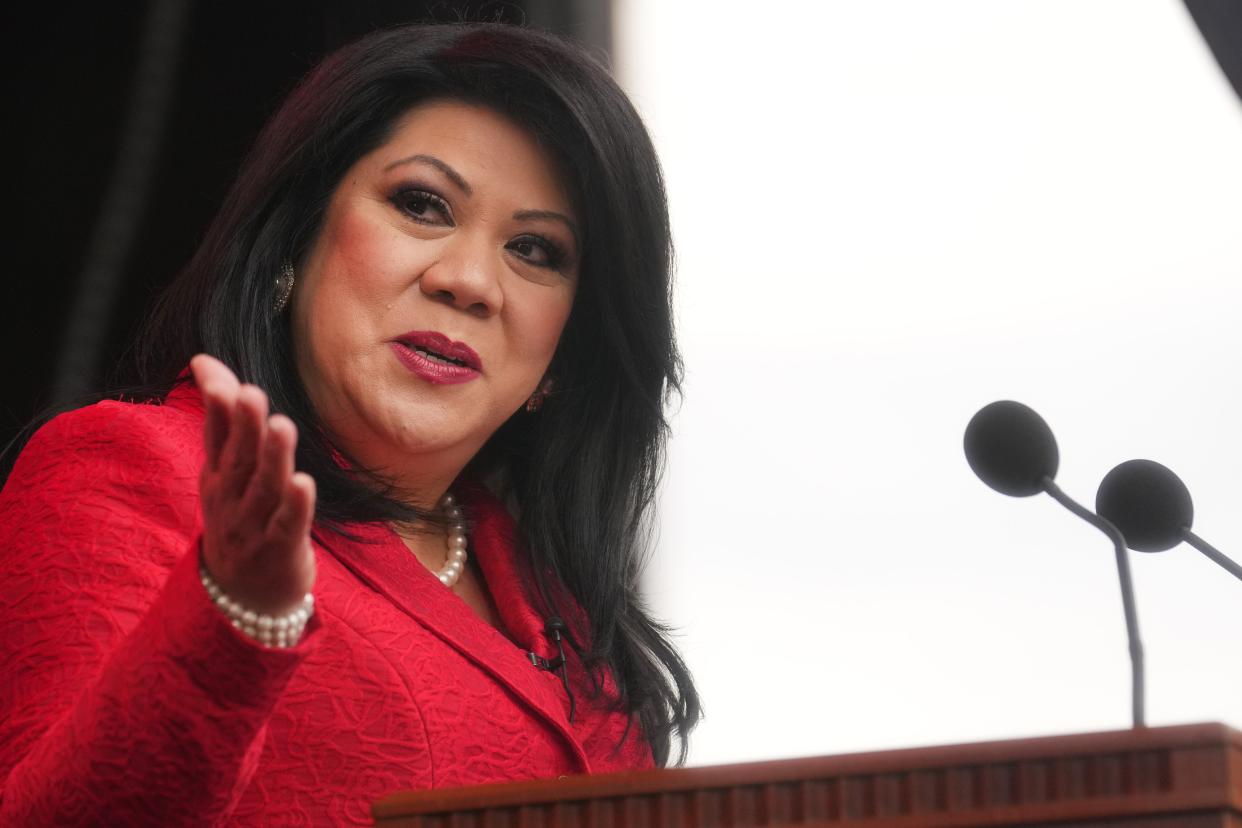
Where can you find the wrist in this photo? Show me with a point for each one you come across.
(280, 631)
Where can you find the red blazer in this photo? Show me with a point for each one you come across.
(127, 697)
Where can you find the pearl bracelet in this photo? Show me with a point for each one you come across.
(268, 630)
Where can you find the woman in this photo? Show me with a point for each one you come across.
(445, 264)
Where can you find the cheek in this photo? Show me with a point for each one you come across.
(543, 322)
(357, 277)
(362, 257)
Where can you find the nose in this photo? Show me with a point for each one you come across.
(466, 275)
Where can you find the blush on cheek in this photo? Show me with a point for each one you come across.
(376, 259)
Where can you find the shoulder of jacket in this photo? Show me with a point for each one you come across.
(131, 424)
(144, 441)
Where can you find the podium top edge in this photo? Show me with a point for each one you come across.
(670, 780)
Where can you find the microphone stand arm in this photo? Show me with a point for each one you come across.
(1127, 592)
(1212, 552)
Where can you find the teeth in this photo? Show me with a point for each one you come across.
(438, 358)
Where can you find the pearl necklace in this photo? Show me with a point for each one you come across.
(455, 542)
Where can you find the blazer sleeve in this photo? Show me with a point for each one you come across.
(128, 697)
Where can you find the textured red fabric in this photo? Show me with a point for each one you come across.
(128, 699)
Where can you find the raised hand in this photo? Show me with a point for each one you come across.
(257, 510)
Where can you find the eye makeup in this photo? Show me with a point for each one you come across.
(413, 199)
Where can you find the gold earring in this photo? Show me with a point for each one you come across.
(284, 287)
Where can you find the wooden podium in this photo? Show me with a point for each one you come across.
(1188, 776)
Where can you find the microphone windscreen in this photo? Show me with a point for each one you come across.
(1148, 503)
(1011, 448)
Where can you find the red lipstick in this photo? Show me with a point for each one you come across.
(436, 358)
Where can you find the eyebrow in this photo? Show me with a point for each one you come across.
(453, 175)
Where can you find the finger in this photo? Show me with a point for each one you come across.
(246, 428)
(218, 386)
(215, 424)
(291, 522)
(304, 502)
(208, 370)
(274, 468)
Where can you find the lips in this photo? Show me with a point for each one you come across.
(436, 358)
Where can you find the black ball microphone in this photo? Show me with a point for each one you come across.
(1152, 508)
(1012, 449)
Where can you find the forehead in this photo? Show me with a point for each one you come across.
(489, 150)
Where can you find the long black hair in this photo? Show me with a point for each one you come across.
(582, 472)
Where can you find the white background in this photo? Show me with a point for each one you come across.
(887, 215)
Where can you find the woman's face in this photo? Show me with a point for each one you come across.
(428, 308)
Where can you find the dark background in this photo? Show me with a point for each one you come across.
(126, 121)
(115, 165)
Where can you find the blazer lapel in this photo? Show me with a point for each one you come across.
(380, 560)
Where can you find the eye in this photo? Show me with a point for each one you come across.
(538, 251)
(423, 206)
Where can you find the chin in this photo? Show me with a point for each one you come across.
(433, 431)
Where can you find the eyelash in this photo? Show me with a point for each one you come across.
(406, 197)
(556, 255)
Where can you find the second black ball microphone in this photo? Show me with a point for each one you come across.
(1010, 447)
(1152, 508)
